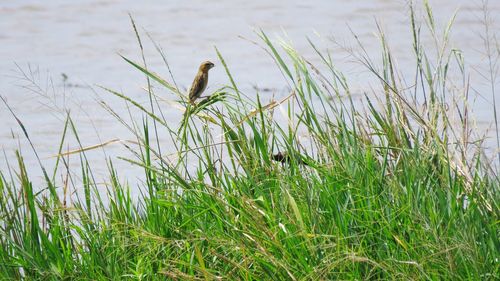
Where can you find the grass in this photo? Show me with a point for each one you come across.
(399, 190)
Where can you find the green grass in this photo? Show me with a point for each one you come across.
(397, 191)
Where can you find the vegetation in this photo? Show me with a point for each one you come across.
(395, 189)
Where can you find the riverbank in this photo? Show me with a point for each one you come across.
(306, 187)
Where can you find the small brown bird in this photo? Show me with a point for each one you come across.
(200, 81)
(285, 158)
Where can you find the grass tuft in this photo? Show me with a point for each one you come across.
(323, 191)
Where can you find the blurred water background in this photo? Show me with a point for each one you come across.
(54, 53)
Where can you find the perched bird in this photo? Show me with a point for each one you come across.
(200, 81)
(285, 158)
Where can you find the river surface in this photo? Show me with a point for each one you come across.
(53, 54)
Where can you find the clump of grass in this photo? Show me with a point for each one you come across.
(394, 192)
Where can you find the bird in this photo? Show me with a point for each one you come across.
(285, 158)
(200, 81)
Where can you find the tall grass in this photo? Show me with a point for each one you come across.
(397, 191)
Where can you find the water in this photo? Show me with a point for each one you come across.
(42, 40)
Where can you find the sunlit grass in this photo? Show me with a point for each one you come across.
(391, 192)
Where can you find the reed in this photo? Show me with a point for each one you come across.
(319, 190)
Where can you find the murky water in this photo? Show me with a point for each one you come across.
(52, 52)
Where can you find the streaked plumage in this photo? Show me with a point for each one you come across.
(200, 81)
